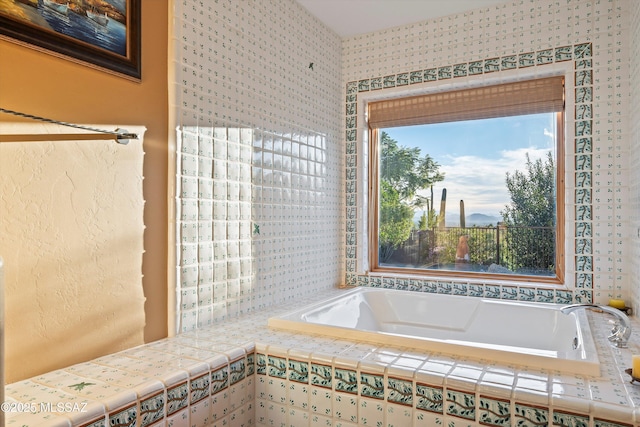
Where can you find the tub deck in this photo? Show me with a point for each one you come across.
(331, 377)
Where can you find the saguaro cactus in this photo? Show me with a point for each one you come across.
(443, 205)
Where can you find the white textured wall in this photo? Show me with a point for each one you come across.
(598, 260)
(260, 158)
(634, 157)
(71, 227)
(245, 69)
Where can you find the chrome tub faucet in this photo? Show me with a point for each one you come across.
(621, 330)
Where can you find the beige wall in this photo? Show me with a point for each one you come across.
(41, 84)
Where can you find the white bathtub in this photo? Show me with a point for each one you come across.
(537, 335)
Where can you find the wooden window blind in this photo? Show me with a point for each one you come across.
(543, 95)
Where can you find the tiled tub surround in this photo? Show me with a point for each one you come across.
(518, 39)
(242, 373)
(195, 379)
(634, 155)
(575, 62)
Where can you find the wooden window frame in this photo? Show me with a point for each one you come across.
(373, 192)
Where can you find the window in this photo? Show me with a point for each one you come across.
(470, 182)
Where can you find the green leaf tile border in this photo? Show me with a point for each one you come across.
(465, 405)
(530, 415)
(152, 408)
(352, 384)
(581, 54)
(372, 385)
(125, 417)
(494, 412)
(177, 397)
(200, 387)
(219, 379)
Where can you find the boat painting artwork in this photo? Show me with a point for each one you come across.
(101, 33)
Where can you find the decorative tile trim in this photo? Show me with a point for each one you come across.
(429, 398)
(564, 53)
(237, 371)
(460, 70)
(200, 387)
(597, 422)
(509, 62)
(152, 408)
(526, 294)
(277, 367)
(530, 416)
(494, 412)
(400, 391)
(261, 364)
(568, 419)
(219, 379)
(415, 77)
(177, 398)
(125, 417)
(459, 289)
(430, 75)
(321, 375)
(509, 292)
(476, 290)
(299, 371)
(491, 65)
(251, 364)
(581, 54)
(475, 68)
(544, 295)
(544, 57)
(526, 60)
(96, 423)
(372, 385)
(444, 73)
(563, 297)
(461, 404)
(389, 82)
(346, 380)
(492, 291)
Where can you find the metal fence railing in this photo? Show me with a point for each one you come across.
(519, 249)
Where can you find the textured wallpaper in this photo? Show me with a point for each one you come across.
(71, 227)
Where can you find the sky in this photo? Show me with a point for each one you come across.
(476, 155)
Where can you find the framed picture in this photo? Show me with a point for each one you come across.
(104, 34)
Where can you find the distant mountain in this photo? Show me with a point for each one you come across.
(481, 219)
(470, 220)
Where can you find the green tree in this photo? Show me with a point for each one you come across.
(531, 216)
(419, 202)
(403, 171)
(396, 221)
(423, 223)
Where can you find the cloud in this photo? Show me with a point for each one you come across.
(480, 181)
(549, 134)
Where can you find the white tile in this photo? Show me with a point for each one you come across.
(371, 412)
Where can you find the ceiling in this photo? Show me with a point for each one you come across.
(374, 15)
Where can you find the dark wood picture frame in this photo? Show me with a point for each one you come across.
(92, 32)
